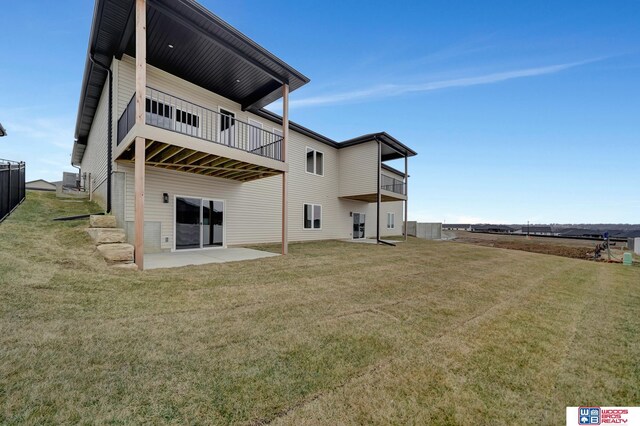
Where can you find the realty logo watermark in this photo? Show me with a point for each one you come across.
(603, 416)
(588, 415)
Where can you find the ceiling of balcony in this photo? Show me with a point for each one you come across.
(206, 51)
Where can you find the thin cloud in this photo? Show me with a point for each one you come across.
(390, 90)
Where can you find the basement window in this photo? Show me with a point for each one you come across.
(315, 162)
(312, 216)
(391, 220)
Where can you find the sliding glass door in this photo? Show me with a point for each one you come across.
(358, 226)
(212, 223)
(199, 223)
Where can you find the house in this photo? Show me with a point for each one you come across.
(501, 229)
(456, 226)
(172, 138)
(40, 185)
(536, 230)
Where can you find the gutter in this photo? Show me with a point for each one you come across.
(109, 130)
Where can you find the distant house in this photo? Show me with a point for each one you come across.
(456, 226)
(40, 185)
(500, 229)
(3, 132)
(536, 230)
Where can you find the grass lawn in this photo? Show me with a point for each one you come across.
(335, 333)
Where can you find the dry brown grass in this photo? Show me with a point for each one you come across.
(335, 333)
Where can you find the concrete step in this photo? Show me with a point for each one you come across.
(117, 252)
(102, 221)
(107, 235)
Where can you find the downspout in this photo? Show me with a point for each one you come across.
(109, 130)
(79, 175)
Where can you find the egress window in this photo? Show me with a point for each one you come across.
(315, 162)
(391, 220)
(312, 216)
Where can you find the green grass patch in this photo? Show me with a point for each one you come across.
(335, 333)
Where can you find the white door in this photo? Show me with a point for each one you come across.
(227, 127)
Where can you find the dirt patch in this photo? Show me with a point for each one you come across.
(557, 250)
(572, 249)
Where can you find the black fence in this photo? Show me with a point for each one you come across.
(12, 190)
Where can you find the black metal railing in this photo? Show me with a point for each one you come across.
(12, 190)
(175, 114)
(127, 119)
(391, 184)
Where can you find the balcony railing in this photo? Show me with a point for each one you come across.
(175, 114)
(394, 185)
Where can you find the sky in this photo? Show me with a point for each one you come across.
(519, 111)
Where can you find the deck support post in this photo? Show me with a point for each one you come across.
(406, 196)
(141, 89)
(379, 198)
(285, 188)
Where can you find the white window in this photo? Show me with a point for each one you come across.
(312, 216)
(391, 220)
(315, 162)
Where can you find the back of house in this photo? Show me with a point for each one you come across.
(173, 139)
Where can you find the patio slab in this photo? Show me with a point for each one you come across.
(202, 257)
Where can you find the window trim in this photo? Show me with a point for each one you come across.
(314, 161)
(391, 224)
(304, 206)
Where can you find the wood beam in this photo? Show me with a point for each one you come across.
(158, 150)
(176, 151)
(207, 162)
(197, 157)
(285, 139)
(182, 157)
(140, 143)
(139, 203)
(226, 164)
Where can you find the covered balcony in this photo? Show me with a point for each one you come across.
(366, 156)
(219, 146)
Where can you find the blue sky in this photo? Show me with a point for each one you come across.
(519, 111)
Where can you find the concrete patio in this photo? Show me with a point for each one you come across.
(202, 257)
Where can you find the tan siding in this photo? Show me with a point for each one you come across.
(94, 160)
(358, 169)
(174, 86)
(393, 175)
(126, 77)
(253, 212)
(252, 209)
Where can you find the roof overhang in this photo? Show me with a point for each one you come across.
(392, 149)
(205, 51)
